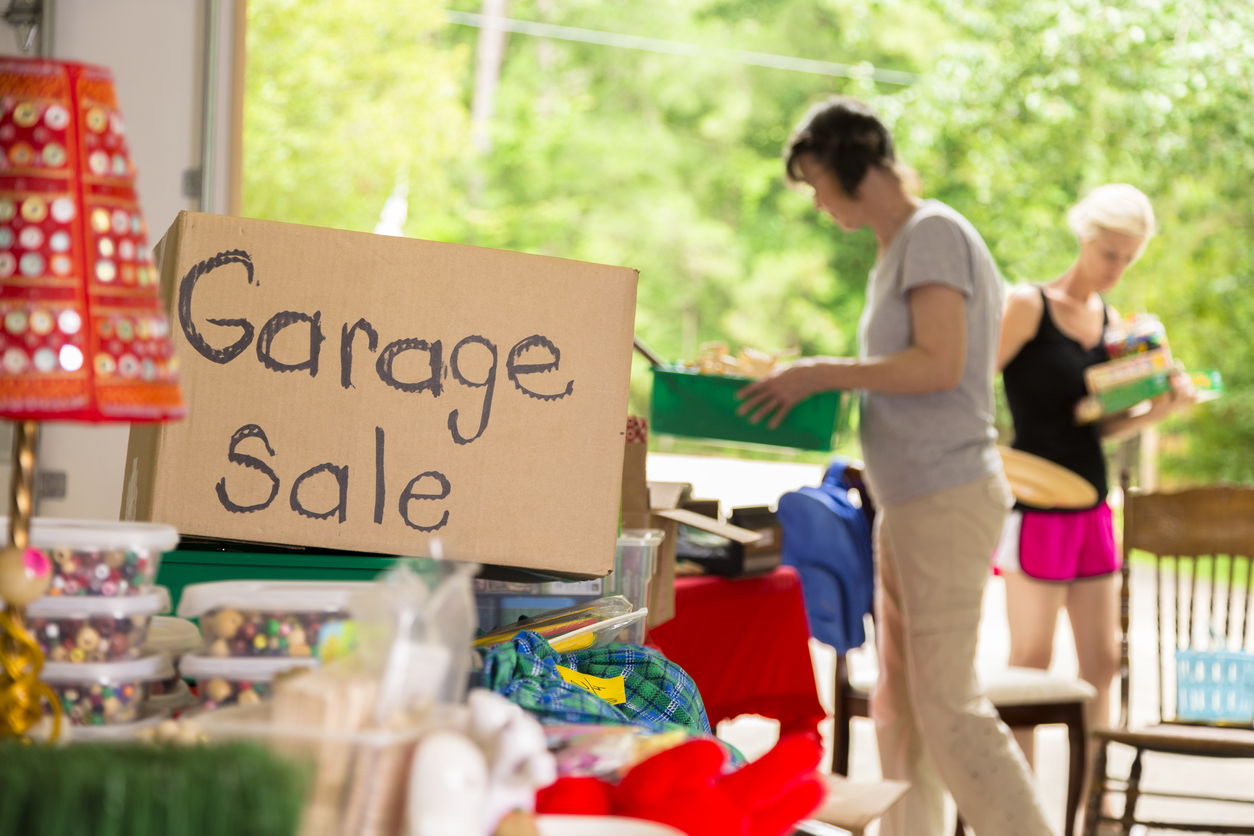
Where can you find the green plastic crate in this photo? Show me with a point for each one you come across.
(704, 406)
(182, 567)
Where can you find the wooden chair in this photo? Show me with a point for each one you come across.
(1024, 698)
(1202, 541)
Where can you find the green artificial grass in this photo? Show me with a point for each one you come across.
(236, 789)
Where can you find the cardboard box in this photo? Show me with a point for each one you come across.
(367, 393)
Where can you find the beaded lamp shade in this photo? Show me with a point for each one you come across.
(83, 333)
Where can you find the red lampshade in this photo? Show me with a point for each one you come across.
(83, 333)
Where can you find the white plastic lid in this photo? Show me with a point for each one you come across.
(87, 606)
(241, 668)
(173, 635)
(276, 596)
(146, 668)
(52, 533)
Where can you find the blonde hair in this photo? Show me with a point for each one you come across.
(1115, 207)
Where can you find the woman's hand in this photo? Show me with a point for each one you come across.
(1182, 394)
(786, 387)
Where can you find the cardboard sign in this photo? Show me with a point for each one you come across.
(367, 393)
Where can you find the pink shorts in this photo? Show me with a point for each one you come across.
(1059, 545)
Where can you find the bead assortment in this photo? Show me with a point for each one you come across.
(219, 692)
(106, 693)
(96, 639)
(231, 632)
(244, 681)
(102, 572)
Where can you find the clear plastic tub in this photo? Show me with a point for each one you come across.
(273, 618)
(92, 628)
(93, 557)
(634, 563)
(237, 680)
(559, 622)
(105, 693)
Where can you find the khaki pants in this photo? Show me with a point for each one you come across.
(935, 727)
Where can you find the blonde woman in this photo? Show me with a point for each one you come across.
(1050, 334)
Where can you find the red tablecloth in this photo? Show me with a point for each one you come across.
(746, 645)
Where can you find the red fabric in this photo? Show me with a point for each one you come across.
(684, 787)
(745, 643)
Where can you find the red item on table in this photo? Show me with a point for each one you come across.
(684, 787)
(745, 643)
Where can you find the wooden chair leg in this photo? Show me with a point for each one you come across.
(1078, 740)
(1133, 794)
(841, 732)
(1097, 790)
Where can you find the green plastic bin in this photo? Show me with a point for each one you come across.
(182, 567)
(704, 406)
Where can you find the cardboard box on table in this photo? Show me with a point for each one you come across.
(366, 393)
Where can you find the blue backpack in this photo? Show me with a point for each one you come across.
(828, 541)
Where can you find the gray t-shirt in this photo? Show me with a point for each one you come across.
(915, 445)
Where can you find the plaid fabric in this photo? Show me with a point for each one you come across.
(660, 696)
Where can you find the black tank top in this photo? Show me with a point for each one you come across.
(1043, 383)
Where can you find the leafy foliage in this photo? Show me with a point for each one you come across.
(671, 164)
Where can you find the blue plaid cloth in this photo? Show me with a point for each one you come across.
(660, 696)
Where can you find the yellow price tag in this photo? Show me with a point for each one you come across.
(611, 690)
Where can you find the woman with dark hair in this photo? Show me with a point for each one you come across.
(927, 345)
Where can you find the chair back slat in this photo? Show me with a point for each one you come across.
(1204, 599)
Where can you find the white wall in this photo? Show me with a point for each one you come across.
(154, 49)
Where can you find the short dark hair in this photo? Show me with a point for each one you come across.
(846, 137)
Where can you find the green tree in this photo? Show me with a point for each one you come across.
(342, 103)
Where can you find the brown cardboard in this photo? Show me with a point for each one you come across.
(701, 521)
(852, 807)
(486, 409)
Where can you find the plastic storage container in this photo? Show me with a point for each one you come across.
(92, 628)
(273, 618)
(104, 693)
(91, 557)
(1215, 686)
(634, 563)
(500, 603)
(230, 680)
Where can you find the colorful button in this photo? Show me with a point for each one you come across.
(41, 322)
(97, 120)
(8, 209)
(125, 330)
(54, 155)
(126, 250)
(70, 357)
(98, 162)
(117, 125)
(63, 210)
(34, 209)
(121, 221)
(7, 133)
(60, 265)
(137, 225)
(100, 220)
(15, 360)
(15, 322)
(128, 365)
(128, 274)
(22, 154)
(6, 237)
(148, 369)
(59, 242)
(31, 265)
(105, 327)
(8, 263)
(57, 117)
(106, 270)
(69, 322)
(45, 360)
(105, 365)
(105, 247)
(119, 165)
(31, 237)
(26, 114)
